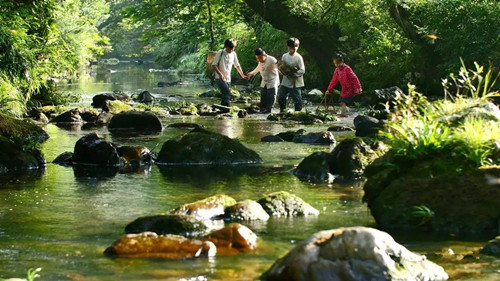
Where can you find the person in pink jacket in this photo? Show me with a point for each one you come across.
(348, 80)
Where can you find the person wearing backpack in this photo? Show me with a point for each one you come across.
(222, 65)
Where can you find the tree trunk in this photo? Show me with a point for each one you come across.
(320, 41)
(429, 58)
(211, 26)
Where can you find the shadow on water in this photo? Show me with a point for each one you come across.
(205, 175)
(87, 173)
(19, 180)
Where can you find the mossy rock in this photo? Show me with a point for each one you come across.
(350, 158)
(22, 132)
(136, 121)
(14, 159)
(285, 204)
(184, 225)
(201, 147)
(207, 208)
(301, 117)
(441, 194)
(116, 106)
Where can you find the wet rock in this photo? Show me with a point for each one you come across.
(88, 115)
(115, 106)
(242, 113)
(315, 168)
(98, 101)
(492, 248)
(271, 138)
(185, 125)
(92, 150)
(71, 116)
(301, 117)
(325, 137)
(233, 239)
(207, 208)
(14, 159)
(290, 135)
(144, 97)
(206, 110)
(136, 121)
(417, 188)
(168, 224)
(202, 147)
(367, 126)
(247, 210)
(151, 245)
(339, 128)
(356, 253)
(64, 159)
(22, 132)
(135, 155)
(284, 204)
(350, 158)
(252, 109)
(103, 118)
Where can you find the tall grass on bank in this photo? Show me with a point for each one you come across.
(418, 128)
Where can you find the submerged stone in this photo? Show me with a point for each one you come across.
(355, 253)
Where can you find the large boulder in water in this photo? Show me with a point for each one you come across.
(201, 147)
(92, 150)
(409, 194)
(21, 132)
(136, 121)
(356, 253)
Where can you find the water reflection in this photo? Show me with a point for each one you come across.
(94, 174)
(18, 180)
(204, 176)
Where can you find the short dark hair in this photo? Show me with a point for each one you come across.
(259, 52)
(231, 43)
(339, 56)
(293, 42)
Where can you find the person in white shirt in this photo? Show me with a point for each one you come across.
(292, 67)
(268, 69)
(222, 65)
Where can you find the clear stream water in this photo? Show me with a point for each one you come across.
(62, 221)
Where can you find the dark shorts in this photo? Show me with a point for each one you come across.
(347, 101)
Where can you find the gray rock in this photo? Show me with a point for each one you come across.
(325, 137)
(356, 253)
(284, 204)
(246, 211)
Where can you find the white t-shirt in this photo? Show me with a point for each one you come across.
(269, 72)
(224, 62)
(293, 61)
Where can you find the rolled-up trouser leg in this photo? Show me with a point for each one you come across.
(282, 96)
(225, 91)
(297, 98)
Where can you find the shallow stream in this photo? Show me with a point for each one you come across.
(62, 220)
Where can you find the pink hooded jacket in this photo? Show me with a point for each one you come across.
(348, 80)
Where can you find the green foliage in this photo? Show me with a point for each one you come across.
(422, 213)
(418, 128)
(31, 275)
(45, 40)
